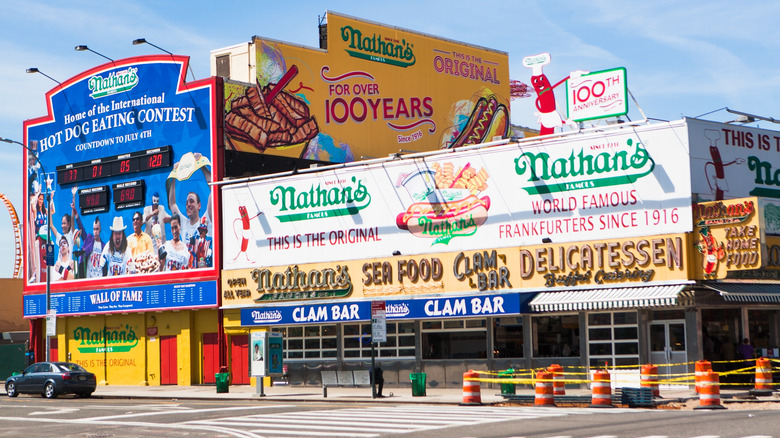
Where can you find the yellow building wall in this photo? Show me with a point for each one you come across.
(124, 349)
(203, 321)
(152, 351)
(111, 346)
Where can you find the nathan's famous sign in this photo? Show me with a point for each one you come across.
(621, 184)
(375, 90)
(728, 237)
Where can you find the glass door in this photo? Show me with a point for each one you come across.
(668, 353)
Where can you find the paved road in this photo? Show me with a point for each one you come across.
(66, 417)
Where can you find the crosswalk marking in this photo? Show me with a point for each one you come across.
(366, 422)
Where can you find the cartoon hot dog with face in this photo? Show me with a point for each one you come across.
(488, 120)
(549, 118)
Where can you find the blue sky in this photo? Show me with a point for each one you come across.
(682, 58)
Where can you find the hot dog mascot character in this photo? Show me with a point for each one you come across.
(712, 251)
(549, 118)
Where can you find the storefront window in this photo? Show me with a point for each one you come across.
(761, 323)
(508, 337)
(400, 341)
(613, 339)
(556, 336)
(721, 330)
(309, 342)
(460, 340)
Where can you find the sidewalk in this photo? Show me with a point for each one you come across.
(300, 394)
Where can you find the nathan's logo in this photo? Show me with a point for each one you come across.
(719, 213)
(618, 167)
(765, 175)
(378, 49)
(266, 316)
(296, 284)
(105, 340)
(319, 202)
(115, 82)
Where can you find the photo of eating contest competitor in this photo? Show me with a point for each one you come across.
(193, 216)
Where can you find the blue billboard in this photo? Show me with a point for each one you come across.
(125, 156)
(467, 306)
(125, 298)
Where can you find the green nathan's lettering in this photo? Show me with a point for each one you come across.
(402, 54)
(287, 198)
(540, 166)
(94, 341)
(610, 168)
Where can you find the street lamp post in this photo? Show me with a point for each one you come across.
(48, 237)
(138, 41)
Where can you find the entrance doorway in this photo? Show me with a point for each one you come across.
(168, 361)
(210, 357)
(239, 360)
(668, 351)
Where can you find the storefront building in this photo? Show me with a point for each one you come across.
(647, 293)
(617, 245)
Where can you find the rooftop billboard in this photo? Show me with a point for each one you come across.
(126, 154)
(375, 90)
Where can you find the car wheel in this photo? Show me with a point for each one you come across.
(10, 389)
(85, 394)
(49, 390)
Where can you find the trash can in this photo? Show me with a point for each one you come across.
(418, 384)
(507, 388)
(223, 382)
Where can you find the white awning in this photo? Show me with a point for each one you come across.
(615, 298)
(748, 292)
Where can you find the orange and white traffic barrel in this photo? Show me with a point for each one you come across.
(702, 368)
(601, 390)
(559, 387)
(709, 391)
(763, 377)
(649, 378)
(471, 391)
(544, 389)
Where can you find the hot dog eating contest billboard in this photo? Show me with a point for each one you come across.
(125, 156)
(374, 91)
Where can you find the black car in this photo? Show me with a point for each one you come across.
(51, 379)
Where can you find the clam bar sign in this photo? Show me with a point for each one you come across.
(450, 307)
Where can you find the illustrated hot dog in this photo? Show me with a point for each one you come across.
(424, 215)
(488, 119)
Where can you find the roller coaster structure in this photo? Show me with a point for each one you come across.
(17, 236)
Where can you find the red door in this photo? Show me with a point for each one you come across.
(210, 357)
(54, 344)
(239, 360)
(168, 362)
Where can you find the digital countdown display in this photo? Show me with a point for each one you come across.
(129, 194)
(93, 200)
(117, 165)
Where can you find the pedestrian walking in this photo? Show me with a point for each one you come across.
(746, 352)
(379, 381)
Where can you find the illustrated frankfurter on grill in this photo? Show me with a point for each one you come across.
(418, 215)
(488, 120)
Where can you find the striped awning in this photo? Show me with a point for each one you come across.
(748, 292)
(615, 298)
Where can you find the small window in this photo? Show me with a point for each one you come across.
(223, 66)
